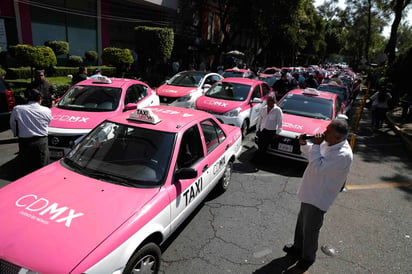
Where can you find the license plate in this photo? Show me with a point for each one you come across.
(56, 153)
(285, 147)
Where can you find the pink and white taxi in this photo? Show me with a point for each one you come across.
(235, 101)
(304, 111)
(108, 205)
(183, 89)
(88, 103)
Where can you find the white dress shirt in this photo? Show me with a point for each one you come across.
(271, 120)
(30, 120)
(325, 174)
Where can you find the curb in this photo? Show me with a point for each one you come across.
(407, 141)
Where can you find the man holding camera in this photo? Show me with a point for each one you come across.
(329, 161)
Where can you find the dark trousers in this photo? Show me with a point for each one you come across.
(33, 153)
(310, 220)
(265, 138)
(378, 117)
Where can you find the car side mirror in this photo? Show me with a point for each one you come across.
(342, 117)
(206, 86)
(186, 173)
(130, 106)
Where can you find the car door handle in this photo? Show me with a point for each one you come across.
(205, 168)
(227, 147)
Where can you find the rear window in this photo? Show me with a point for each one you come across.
(236, 74)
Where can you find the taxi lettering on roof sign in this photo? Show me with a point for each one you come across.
(98, 209)
(144, 115)
(311, 91)
(102, 79)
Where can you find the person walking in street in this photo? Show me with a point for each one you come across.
(47, 90)
(30, 124)
(80, 75)
(380, 105)
(329, 161)
(269, 124)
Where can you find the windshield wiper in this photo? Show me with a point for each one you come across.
(110, 177)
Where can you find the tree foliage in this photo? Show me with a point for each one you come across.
(58, 47)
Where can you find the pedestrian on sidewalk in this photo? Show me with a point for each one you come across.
(380, 105)
(330, 159)
(30, 124)
(47, 90)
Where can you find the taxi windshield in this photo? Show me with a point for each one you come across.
(189, 79)
(232, 73)
(308, 106)
(341, 91)
(124, 155)
(91, 98)
(229, 91)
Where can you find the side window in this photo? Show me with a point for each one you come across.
(213, 134)
(135, 93)
(256, 92)
(191, 149)
(265, 89)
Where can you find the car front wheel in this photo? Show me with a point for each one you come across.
(224, 182)
(146, 260)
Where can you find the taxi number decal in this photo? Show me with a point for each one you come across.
(68, 118)
(42, 204)
(194, 190)
(219, 165)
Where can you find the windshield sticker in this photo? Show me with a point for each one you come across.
(68, 118)
(51, 211)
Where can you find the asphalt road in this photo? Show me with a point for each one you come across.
(243, 231)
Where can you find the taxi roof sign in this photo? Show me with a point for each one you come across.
(144, 115)
(102, 80)
(311, 91)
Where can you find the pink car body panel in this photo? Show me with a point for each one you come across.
(58, 221)
(174, 91)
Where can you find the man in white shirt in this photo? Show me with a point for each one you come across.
(330, 159)
(269, 124)
(30, 123)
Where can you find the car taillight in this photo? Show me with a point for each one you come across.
(11, 102)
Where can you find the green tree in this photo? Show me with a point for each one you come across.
(119, 58)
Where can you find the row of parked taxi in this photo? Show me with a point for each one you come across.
(134, 164)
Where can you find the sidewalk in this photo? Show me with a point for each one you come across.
(402, 127)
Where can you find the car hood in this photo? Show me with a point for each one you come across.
(174, 91)
(63, 118)
(217, 105)
(301, 124)
(50, 225)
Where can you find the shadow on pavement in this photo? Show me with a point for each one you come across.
(9, 170)
(277, 266)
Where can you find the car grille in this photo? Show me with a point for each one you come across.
(167, 100)
(8, 268)
(62, 141)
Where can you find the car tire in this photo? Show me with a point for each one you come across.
(145, 260)
(245, 128)
(224, 182)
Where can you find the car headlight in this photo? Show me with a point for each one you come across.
(232, 113)
(184, 98)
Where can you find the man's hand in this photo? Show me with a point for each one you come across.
(318, 139)
(302, 139)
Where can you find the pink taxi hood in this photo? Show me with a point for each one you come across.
(63, 118)
(300, 124)
(217, 105)
(53, 218)
(173, 91)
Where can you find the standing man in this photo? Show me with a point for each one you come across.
(30, 122)
(80, 75)
(97, 73)
(330, 159)
(47, 91)
(269, 124)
